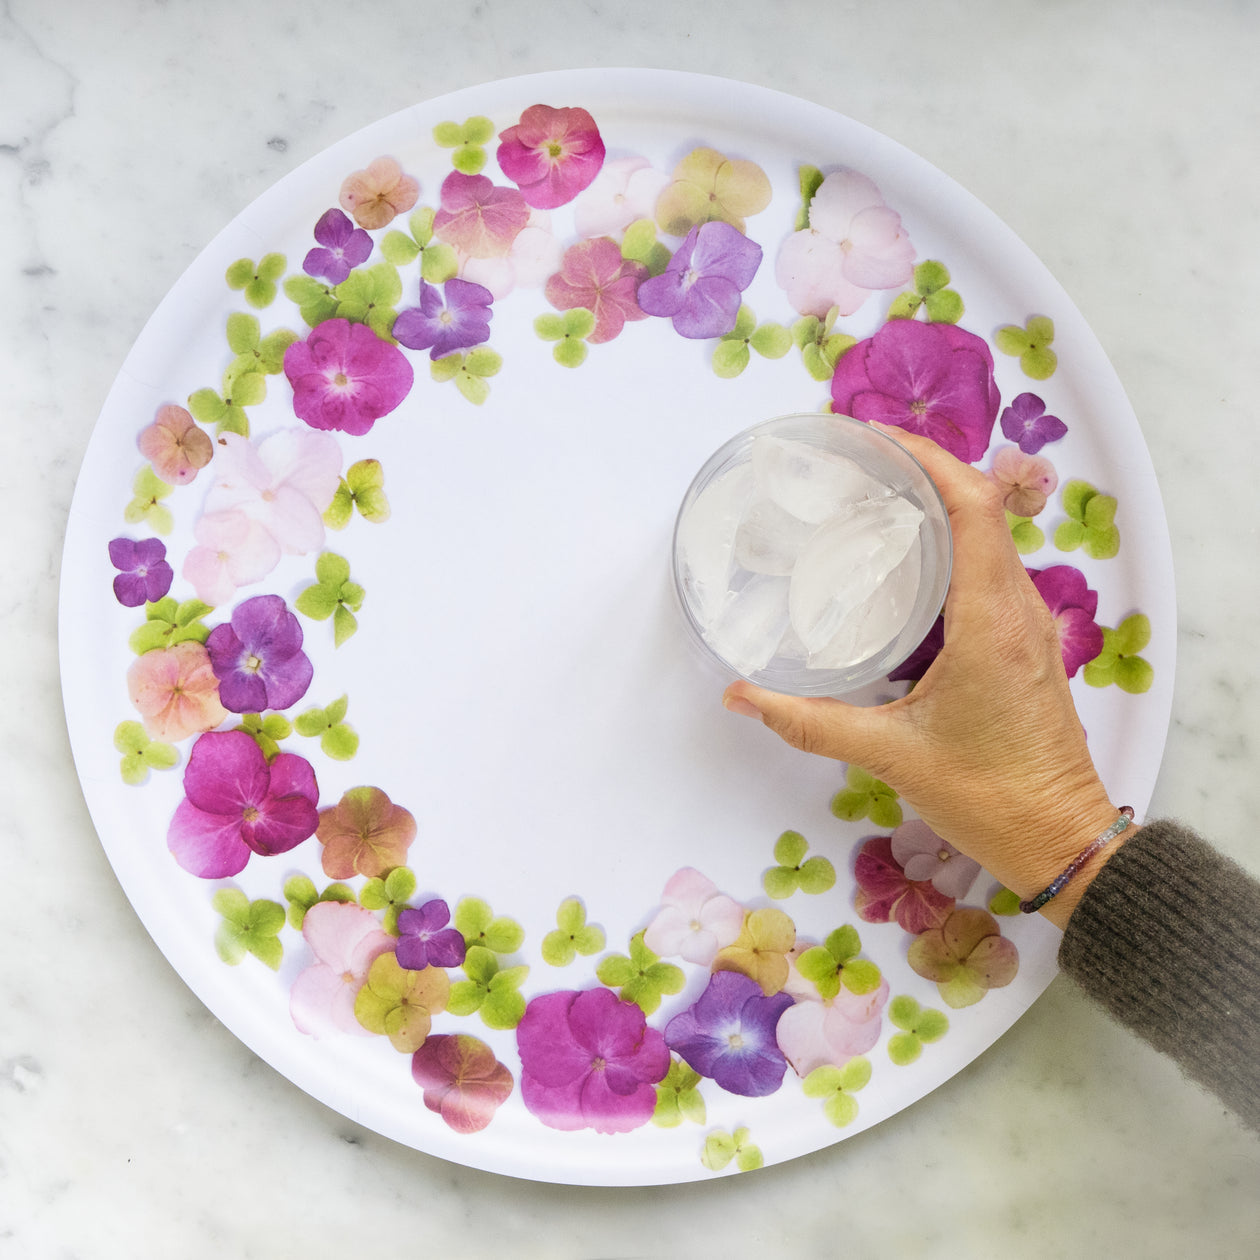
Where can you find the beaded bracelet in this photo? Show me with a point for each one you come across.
(1034, 904)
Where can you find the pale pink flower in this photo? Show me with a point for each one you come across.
(1026, 481)
(176, 691)
(232, 550)
(376, 195)
(695, 920)
(925, 856)
(175, 446)
(535, 255)
(854, 244)
(625, 191)
(812, 1032)
(284, 483)
(346, 940)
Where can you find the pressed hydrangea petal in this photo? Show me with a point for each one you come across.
(207, 845)
(462, 1080)
(282, 824)
(176, 691)
(725, 251)
(880, 255)
(226, 773)
(557, 1106)
(840, 197)
(549, 1054)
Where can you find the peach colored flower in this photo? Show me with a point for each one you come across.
(1026, 481)
(375, 195)
(176, 691)
(175, 446)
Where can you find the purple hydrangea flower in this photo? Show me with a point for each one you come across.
(729, 1035)
(342, 247)
(442, 327)
(237, 804)
(701, 288)
(424, 940)
(1026, 423)
(144, 575)
(932, 379)
(257, 657)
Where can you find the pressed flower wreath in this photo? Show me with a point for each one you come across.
(715, 993)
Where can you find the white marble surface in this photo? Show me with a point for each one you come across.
(1118, 140)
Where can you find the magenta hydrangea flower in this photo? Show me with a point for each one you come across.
(551, 154)
(729, 1035)
(342, 247)
(345, 377)
(236, 804)
(931, 379)
(594, 275)
(701, 288)
(424, 940)
(441, 327)
(143, 571)
(1073, 606)
(589, 1060)
(1026, 423)
(257, 657)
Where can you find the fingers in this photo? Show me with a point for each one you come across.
(984, 552)
(815, 724)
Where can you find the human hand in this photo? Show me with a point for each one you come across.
(987, 748)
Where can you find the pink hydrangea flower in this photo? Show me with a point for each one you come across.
(1073, 606)
(885, 894)
(478, 218)
(932, 379)
(176, 691)
(551, 154)
(923, 855)
(238, 804)
(594, 275)
(815, 1032)
(175, 446)
(376, 195)
(233, 550)
(694, 921)
(624, 191)
(535, 255)
(346, 940)
(854, 244)
(284, 484)
(462, 1080)
(1026, 481)
(589, 1060)
(345, 377)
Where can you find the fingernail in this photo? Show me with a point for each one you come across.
(745, 708)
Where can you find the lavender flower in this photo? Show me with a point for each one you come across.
(442, 327)
(1026, 423)
(729, 1035)
(424, 940)
(701, 288)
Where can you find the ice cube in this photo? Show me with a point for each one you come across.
(706, 540)
(845, 562)
(769, 539)
(876, 622)
(811, 483)
(752, 623)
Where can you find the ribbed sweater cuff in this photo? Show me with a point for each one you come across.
(1167, 938)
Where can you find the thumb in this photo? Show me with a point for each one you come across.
(817, 724)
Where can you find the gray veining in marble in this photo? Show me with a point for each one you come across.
(1118, 140)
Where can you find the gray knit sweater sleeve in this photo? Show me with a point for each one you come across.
(1167, 938)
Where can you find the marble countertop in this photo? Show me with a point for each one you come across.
(1117, 140)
